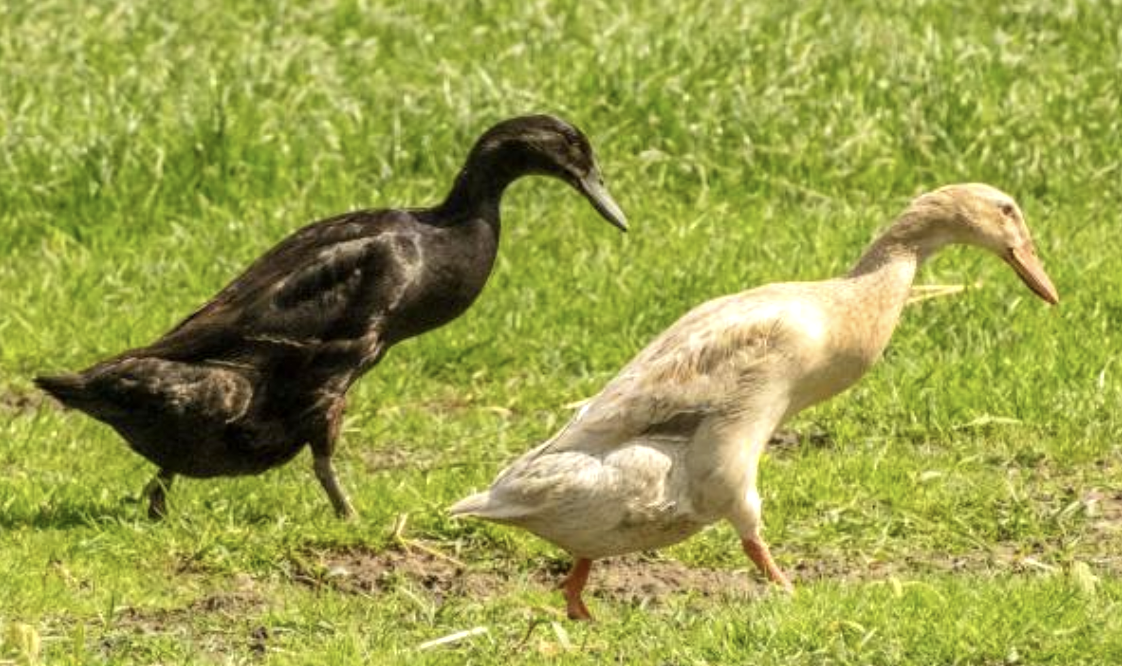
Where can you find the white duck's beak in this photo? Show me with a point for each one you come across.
(1023, 259)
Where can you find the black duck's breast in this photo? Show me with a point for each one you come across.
(447, 268)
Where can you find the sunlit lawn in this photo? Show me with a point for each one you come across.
(961, 505)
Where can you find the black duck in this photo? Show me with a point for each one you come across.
(263, 368)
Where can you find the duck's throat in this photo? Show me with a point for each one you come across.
(879, 286)
(478, 191)
(886, 271)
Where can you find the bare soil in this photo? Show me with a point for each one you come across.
(233, 606)
(644, 579)
(363, 571)
(1103, 539)
(215, 623)
(629, 579)
(784, 441)
(634, 580)
(23, 402)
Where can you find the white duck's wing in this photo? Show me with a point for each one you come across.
(711, 360)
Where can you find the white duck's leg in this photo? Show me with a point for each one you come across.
(747, 514)
(729, 450)
(748, 521)
(572, 588)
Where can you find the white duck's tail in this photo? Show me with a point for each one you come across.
(475, 505)
(486, 506)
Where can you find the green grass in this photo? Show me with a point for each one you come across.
(963, 508)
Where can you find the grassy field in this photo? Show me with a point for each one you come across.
(963, 504)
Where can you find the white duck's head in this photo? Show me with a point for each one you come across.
(982, 215)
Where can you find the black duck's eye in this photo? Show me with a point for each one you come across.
(573, 140)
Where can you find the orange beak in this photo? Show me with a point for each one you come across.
(1023, 259)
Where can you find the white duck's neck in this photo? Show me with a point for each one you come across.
(912, 238)
(881, 280)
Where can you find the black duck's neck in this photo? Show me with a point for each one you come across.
(478, 190)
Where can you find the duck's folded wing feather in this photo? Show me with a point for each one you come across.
(326, 281)
(715, 355)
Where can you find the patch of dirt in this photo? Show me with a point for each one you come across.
(365, 572)
(217, 623)
(1103, 555)
(1104, 509)
(1103, 539)
(23, 402)
(232, 604)
(635, 580)
(236, 605)
(784, 440)
(221, 626)
(848, 569)
(630, 579)
(390, 456)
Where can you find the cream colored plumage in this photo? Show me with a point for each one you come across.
(673, 443)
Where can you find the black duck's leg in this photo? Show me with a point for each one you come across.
(156, 492)
(325, 472)
(323, 447)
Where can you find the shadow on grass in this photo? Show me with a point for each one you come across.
(69, 515)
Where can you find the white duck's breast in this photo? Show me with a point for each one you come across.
(825, 353)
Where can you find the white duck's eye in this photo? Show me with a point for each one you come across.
(1008, 210)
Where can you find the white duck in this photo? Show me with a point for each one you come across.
(673, 443)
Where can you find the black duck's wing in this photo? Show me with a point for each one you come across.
(332, 279)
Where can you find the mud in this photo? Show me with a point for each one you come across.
(363, 571)
(24, 402)
(389, 456)
(784, 441)
(633, 580)
(234, 606)
(629, 579)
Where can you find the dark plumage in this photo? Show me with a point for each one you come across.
(241, 385)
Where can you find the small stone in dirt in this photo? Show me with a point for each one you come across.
(258, 639)
(788, 439)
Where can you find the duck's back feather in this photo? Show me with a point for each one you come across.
(318, 284)
(708, 361)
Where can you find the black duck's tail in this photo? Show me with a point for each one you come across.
(70, 390)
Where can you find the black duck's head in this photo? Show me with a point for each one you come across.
(546, 145)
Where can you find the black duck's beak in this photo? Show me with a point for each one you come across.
(592, 185)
